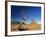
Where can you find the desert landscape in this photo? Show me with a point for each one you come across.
(22, 27)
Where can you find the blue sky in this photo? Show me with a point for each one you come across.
(29, 13)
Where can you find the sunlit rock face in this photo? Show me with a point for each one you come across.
(34, 25)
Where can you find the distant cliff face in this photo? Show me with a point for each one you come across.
(34, 26)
